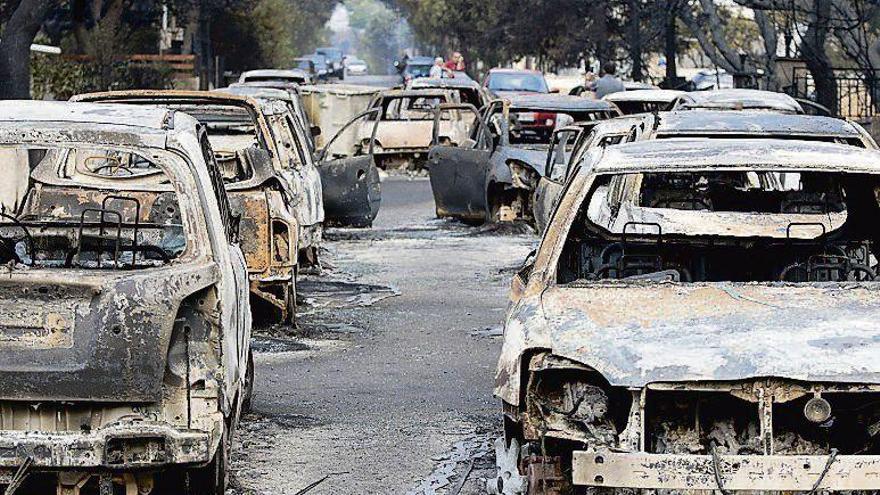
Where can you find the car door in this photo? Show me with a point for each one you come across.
(349, 174)
(550, 185)
(236, 338)
(458, 173)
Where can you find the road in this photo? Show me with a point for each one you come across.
(387, 386)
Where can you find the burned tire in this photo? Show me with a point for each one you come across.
(212, 479)
(248, 389)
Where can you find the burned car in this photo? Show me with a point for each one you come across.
(271, 181)
(570, 145)
(738, 99)
(296, 76)
(267, 89)
(124, 319)
(699, 316)
(405, 118)
(491, 176)
(469, 91)
(644, 101)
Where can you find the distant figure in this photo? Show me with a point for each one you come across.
(607, 84)
(456, 63)
(438, 70)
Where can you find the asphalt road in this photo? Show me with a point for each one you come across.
(387, 386)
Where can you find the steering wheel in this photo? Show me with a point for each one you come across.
(114, 166)
(8, 243)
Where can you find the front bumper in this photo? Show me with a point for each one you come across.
(133, 446)
(737, 472)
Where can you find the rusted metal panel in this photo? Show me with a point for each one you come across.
(737, 472)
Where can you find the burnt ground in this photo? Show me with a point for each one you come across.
(387, 386)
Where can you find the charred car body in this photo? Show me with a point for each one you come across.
(491, 176)
(125, 326)
(569, 145)
(469, 91)
(698, 318)
(268, 173)
(644, 101)
(738, 99)
(400, 130)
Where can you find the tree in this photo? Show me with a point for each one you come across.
(20, 29)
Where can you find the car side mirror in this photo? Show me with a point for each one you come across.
(521, 279)
(315, 130)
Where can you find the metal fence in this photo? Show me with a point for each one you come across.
(858, 91)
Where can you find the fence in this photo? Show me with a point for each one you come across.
(858, 91)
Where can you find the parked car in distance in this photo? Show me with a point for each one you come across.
(307, 65)
(272, 183)
(510, 82)
(491, 176)
(335, 60)
(296, 76)
(414, 68)
(644, 100)
(679, 305)
(125, 359)
(355, 67)
(738, 99)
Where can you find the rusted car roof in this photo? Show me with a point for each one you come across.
(740, 99)
(746, 122)
(662, 95)
(772, 153)
(541, 101)
(86, 113)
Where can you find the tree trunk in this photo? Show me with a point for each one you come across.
(635, 42)
(670, 49)
(15, 48)
(816, 58)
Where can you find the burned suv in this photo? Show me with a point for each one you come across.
(124, 322)
(699, 316)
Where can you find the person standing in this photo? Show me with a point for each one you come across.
(456, 63)
(439, 70)
(608, 83)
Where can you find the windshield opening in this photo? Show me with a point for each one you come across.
(87, 208)
(713, 226)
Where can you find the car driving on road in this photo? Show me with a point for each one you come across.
(698, 317)
(124, 319)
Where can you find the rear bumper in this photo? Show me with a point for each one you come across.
(739, 472)
(120, 447)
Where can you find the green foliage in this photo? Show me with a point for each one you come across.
(375, 25)
(61, 78)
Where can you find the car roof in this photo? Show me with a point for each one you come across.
(746, 122)
(779, 154)
(746, 97)
(550, 101)
(401, 93)
(97, 114)
(662, 95)
(456, 83)
(261, 92)
(502, 70)
(298, 73)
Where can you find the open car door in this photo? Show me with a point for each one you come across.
(551, 184)
(349, 175)
(458, 173)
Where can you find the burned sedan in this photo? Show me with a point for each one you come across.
(491, 176)
(404, 119)
(699, 316)
(271, 182)
(738, 99)
(643, 101)
(124, 318)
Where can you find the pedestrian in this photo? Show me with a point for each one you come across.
(607, 84)
(456, 62)
(438, 70)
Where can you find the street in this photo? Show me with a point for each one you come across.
(391, 390)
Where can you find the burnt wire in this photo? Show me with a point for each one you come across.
(716, 464)
(831, 458)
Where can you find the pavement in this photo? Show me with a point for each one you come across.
(386, 385)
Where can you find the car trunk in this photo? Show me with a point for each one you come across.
(84, 335)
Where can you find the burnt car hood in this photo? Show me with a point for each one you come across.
(637, 334)
(90, 335)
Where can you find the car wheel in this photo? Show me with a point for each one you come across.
(248, 388)
(212, 479)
